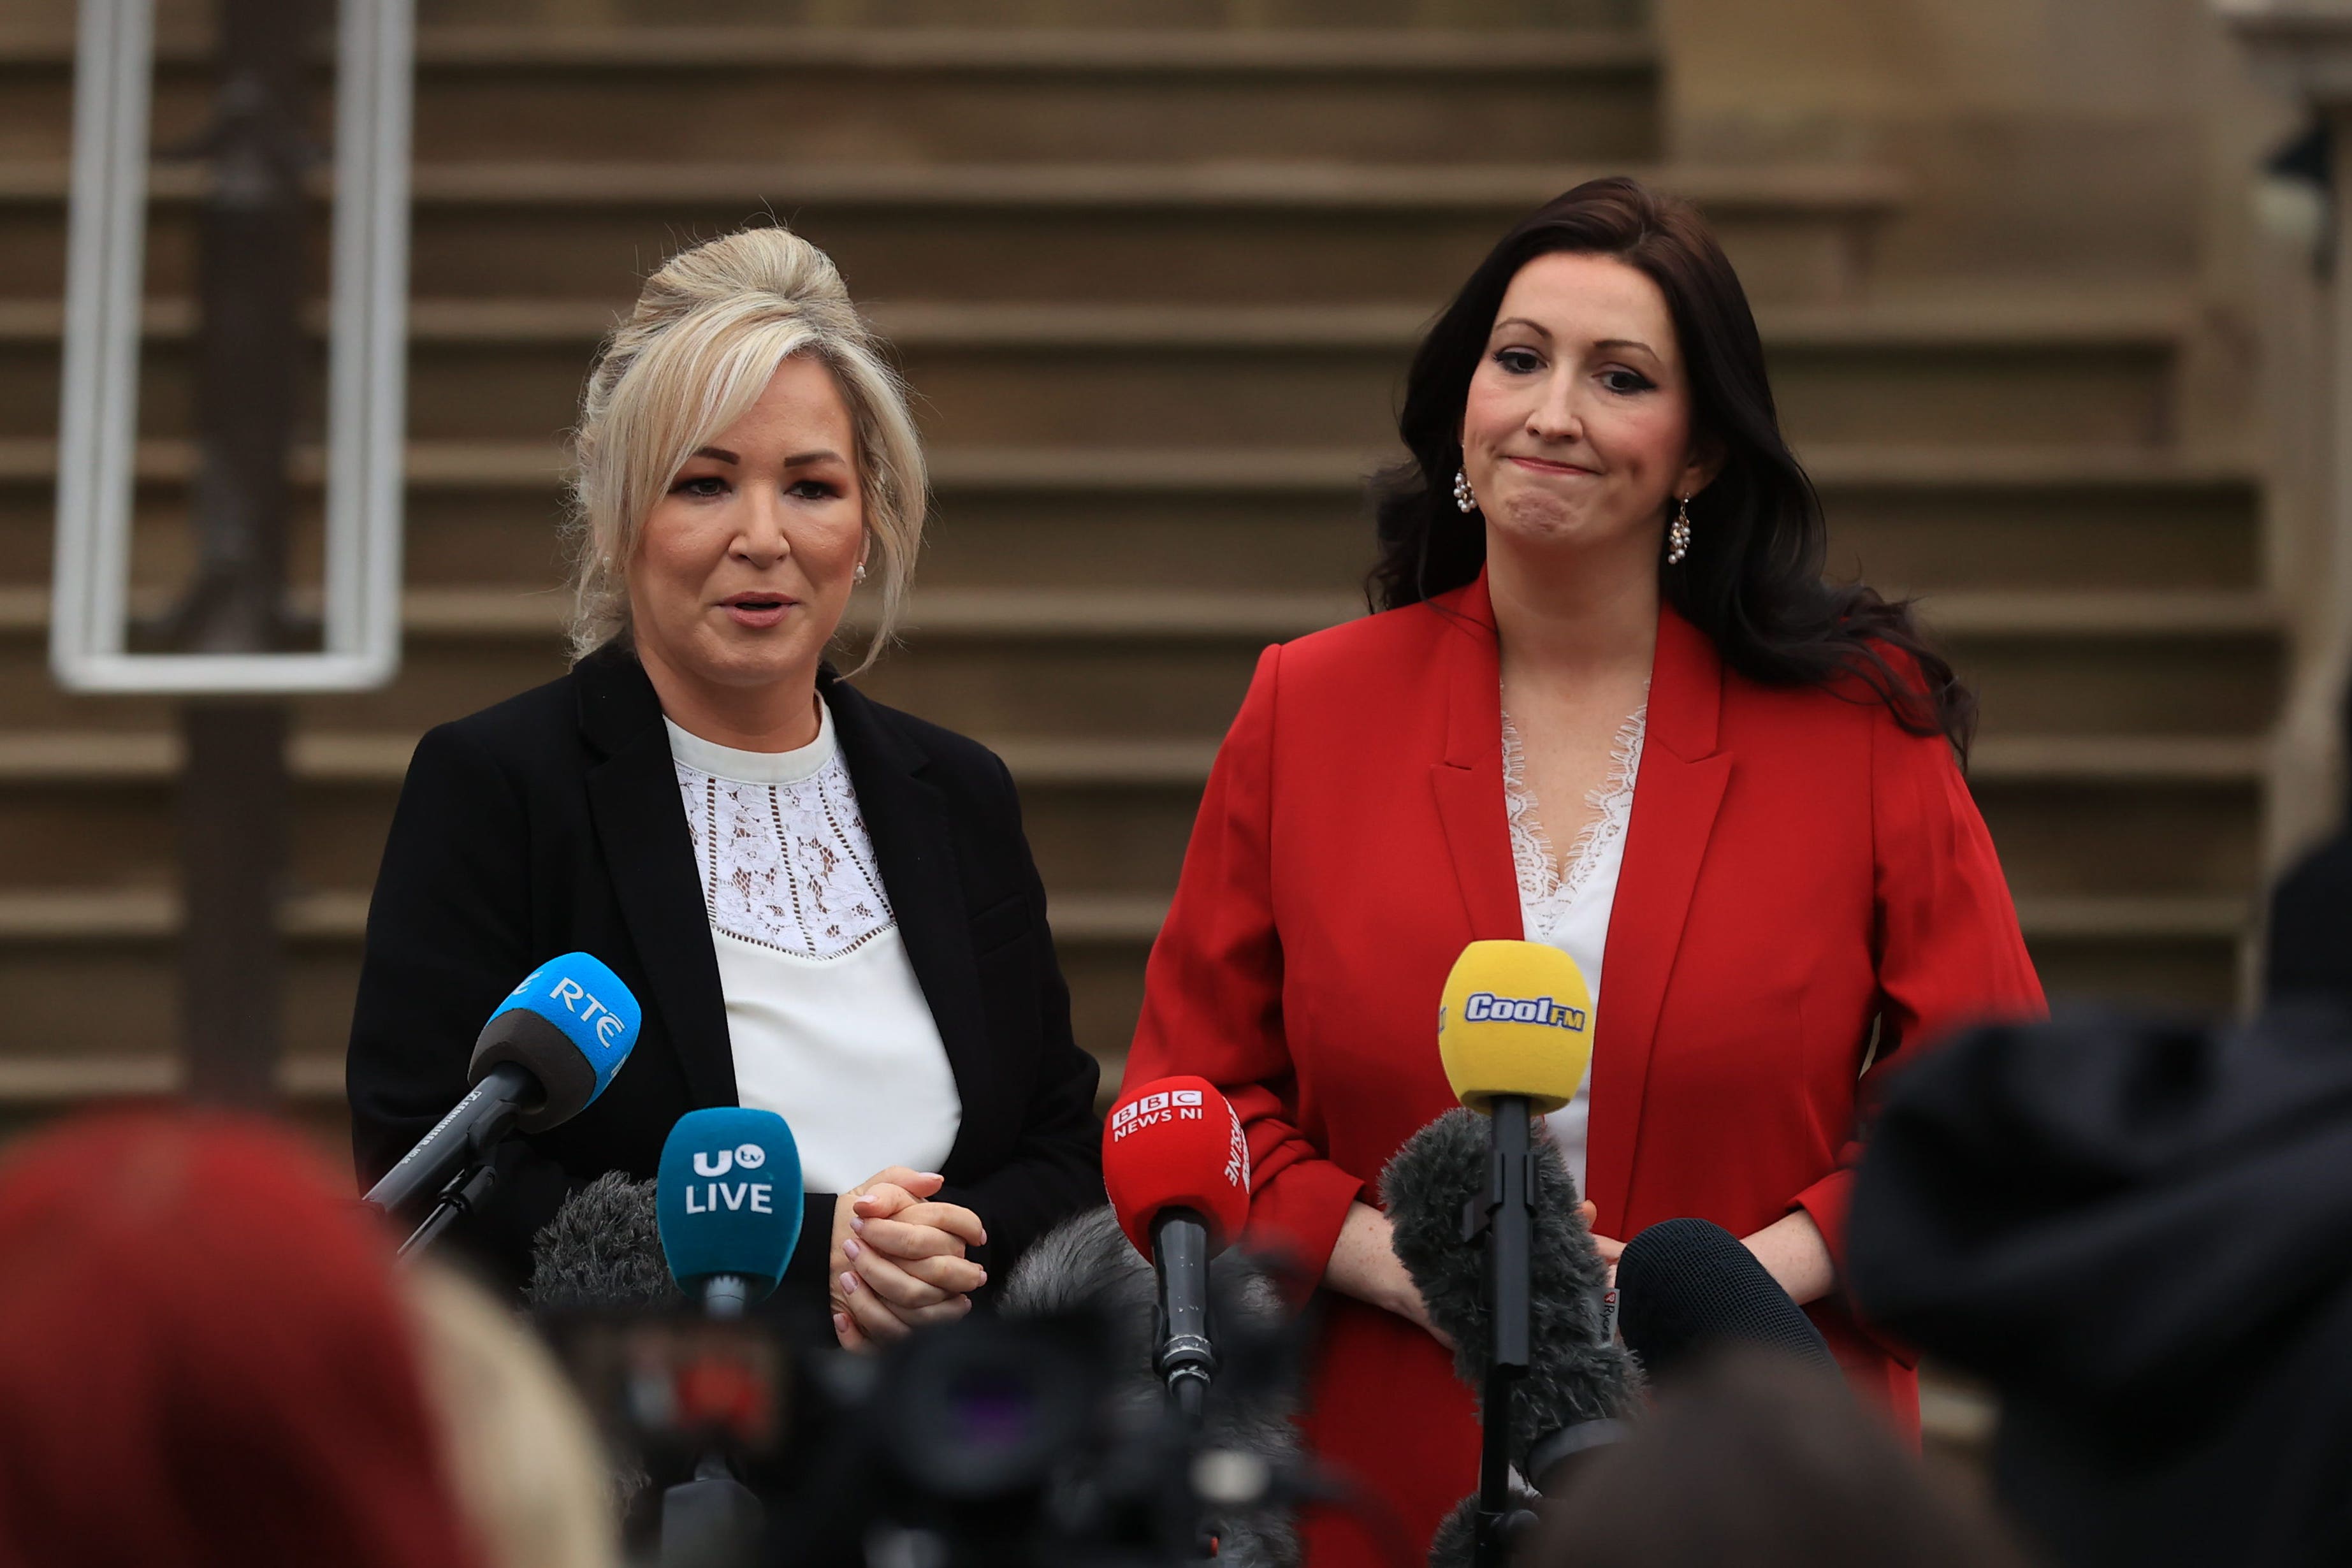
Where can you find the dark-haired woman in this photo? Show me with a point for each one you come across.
(1611, 705)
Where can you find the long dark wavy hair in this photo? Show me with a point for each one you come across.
(1752, 580)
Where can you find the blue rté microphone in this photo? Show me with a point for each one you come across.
(545, 1054)
(727, 1200)
(571, 1024)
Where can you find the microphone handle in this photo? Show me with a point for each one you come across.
(474, 1124)
(726, 1296)
(1186, 1360)
(1510, 1242)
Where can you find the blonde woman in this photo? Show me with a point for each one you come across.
(828, 908)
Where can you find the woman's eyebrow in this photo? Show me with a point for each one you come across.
(1626, 344)
(1536, 327)
(798, 460)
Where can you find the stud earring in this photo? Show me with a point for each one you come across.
(1463, 498)
(1678, 536)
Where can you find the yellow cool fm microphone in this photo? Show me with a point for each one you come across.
(1515, 1032)
(1516, 1022)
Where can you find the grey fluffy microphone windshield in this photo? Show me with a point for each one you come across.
(602, 1250)
(601, 1253)
(1577, 1376)
(1086, 1265)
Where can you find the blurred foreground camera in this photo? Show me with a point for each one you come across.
(1019, 1441)
(994, 1440)
(664, 1386)
(990, 1409)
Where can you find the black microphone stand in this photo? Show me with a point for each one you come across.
(462, 1196)
(1505, 1215)
(488, 1113)
(474, 1180)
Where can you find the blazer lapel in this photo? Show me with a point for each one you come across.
(633, 802)
(914, 849)
(1675, 798)
(1468, 779)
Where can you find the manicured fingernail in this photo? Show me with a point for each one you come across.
(984, 1278)
(841, 1322)
(848, 1283)
(933, 1176)
(857, 1224)
(850, 1249)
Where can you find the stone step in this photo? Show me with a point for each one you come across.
(2161, 663)
(1287, 376)
(57, 951)
(1151, 17)
(2157, 816)
(1226, 233)
(1244, 518)
(2160, 836)
(1171, 664)
(65, 1080)
(1927, 518)
(61, 948)
(953, 95)
(76, 919)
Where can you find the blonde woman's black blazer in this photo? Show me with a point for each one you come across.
(553, 823)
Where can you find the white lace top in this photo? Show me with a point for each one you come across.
(781, 846)
(828, 1024)
(1566, 906)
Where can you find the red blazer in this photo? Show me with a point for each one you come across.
(1797, 868)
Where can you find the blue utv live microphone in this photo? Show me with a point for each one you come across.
(728, 1198)
(727, 1201)
(547, 1052)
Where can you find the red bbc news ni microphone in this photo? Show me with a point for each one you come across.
(1177, 1169)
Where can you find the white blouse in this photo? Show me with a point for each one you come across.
(827, 1022)
(1569, 908)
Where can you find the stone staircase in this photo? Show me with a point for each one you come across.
(1155, 285)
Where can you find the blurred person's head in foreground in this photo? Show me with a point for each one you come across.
(1754, 1460)
(206, 1358)
(2139, 1232)
(530, 1475)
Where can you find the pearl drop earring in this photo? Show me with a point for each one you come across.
(1463, 498)
(1678, 536)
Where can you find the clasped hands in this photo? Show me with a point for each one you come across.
(898, 1259)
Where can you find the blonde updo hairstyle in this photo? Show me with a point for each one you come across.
(708, 332)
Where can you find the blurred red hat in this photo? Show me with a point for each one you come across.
(204, 1360)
